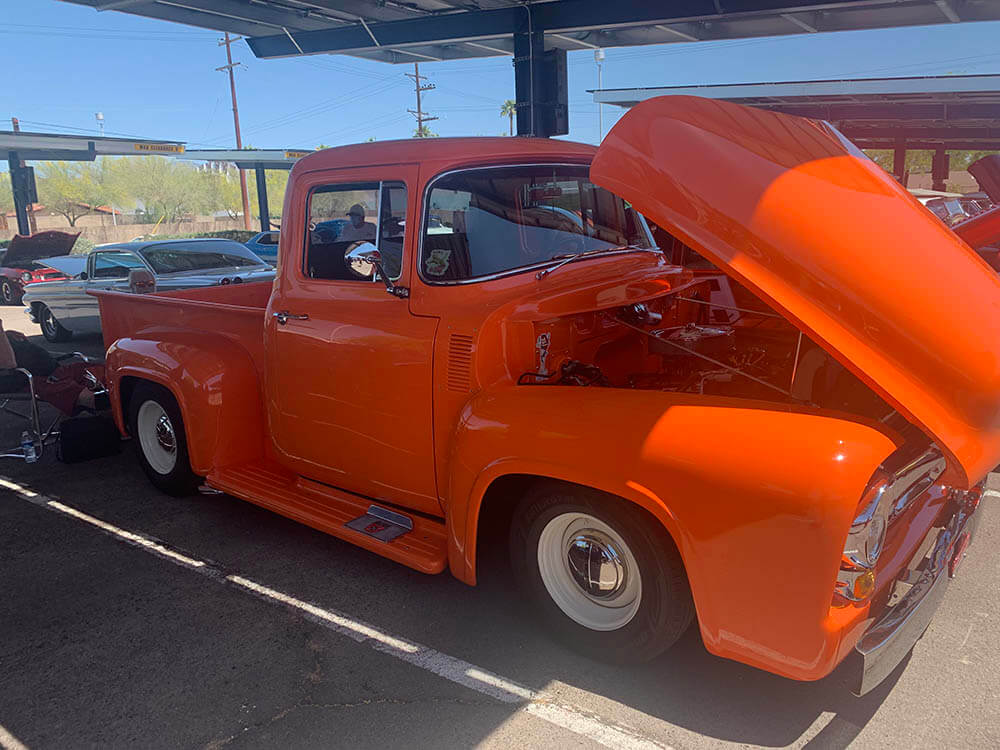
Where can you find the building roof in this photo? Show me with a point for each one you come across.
(416, 30)
(959, 112)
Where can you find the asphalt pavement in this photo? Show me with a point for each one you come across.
(129, 618)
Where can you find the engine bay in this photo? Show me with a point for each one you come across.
(711, 337)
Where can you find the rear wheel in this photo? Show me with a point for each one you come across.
(157, 429)
(9, 293)
(605, 578)
(52, 329)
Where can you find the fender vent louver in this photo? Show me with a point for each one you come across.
(459, 363)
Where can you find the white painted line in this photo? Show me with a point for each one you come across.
(590, 726)
(9, 741)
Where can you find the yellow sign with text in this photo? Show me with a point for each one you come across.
(160, 148)
(296, 154)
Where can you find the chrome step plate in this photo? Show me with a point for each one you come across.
(382, 524)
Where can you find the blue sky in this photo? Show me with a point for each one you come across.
(158, 80)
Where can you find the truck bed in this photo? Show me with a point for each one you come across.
(235, 311)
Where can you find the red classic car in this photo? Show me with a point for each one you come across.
(21, 266)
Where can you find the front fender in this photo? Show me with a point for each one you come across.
(758, 497)
(215, 383)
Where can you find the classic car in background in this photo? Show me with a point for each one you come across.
(21, 262)
(63, 308)
(265, 244)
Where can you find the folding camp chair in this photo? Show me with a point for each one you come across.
(26, 394)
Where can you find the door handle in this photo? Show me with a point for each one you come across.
(283, 317)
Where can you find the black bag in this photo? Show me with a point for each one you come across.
(84, 438)
(32, 357)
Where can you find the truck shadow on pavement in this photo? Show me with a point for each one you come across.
(488, 626)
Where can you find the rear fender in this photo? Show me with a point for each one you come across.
(215, 383)
(757, 497)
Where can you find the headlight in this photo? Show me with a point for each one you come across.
(26, 277)
(889, 493)
(865, 540)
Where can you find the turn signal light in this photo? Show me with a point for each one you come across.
(864, 585)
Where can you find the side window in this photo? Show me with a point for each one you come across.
(341, 216)
(115, 265)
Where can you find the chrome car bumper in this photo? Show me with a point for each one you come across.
(916, 597)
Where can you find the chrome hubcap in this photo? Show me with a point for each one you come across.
(589, 571)
(165, 434)
(595, 565)
(157, 437)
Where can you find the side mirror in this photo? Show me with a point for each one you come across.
(83, 276)
(363, 258)
(141, 281)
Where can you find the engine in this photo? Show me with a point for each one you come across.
(694, 343)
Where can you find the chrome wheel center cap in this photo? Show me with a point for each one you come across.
(595, 565)
(165, 434)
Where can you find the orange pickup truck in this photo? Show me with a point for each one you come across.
(777, 422)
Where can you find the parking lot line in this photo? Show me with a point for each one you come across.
(9, 741)
(584, 723)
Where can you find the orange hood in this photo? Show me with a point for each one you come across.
(793, 210)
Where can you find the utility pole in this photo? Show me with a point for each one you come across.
(236, 122)
(599, 59)
(419, 112)
(29, 208)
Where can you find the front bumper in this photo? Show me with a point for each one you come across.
(916, 597)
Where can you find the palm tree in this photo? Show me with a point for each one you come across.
(509, 109)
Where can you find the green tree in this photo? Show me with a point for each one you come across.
(69, 188)
(163, 189)
(509, 109)
(424, 132)
(6, 196)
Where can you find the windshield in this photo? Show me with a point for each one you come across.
(486, 221)
(204, 255)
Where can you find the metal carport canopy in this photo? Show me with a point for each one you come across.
(919, 112)
(406, 31)
(958, 112)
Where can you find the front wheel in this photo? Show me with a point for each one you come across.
(605, 577)
(157, 429)
(9, 294)
(52, 329)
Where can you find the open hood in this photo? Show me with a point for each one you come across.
(798, 214)
(23, 250)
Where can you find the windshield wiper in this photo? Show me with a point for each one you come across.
(570, 257)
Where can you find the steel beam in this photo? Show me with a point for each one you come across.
(529, 54)
(262, 204)
(20, 205)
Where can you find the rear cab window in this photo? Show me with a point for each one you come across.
(341, 216)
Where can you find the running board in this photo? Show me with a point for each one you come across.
(420, 543)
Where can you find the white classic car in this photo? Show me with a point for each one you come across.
(63, 308)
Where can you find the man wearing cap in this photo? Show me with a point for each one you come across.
(358, 229)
